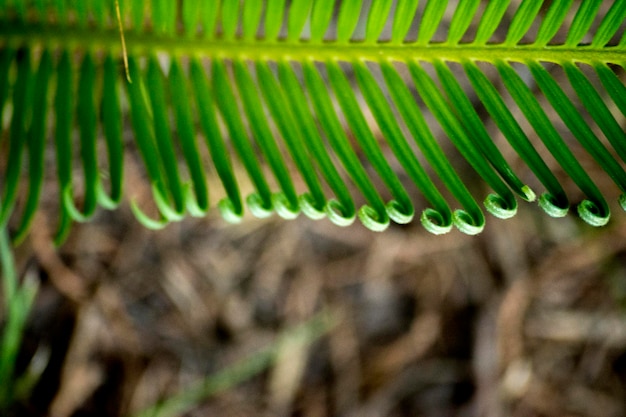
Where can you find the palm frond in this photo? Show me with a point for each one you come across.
(351, 94)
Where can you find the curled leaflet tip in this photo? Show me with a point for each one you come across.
(285, 208)
(466, 224)
(228, 211)
(145, 220)
(499, 207)
(105, 201)
(72, 210)
(528, 194)
(171, 214)
(258, 206)
(339, 214)
(193, 207)
(399, 213)
(308, 207)
(593, 214)
(372, 219)
(434, 222)
(552, 206)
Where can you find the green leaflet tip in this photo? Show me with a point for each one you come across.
(434, 222)
(228, 211)
(193, 208)
(466, 224)
(399, 213)
(498, 207)
(592, 214)
(285, 208)
(169, 213)
(338, 214)
(529, 194)
(104, 199)
(372, 219)
(308, 207)
(258, 206)
(145, 220)
(552, 206)
(72, 210)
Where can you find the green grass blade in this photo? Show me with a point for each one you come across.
(301, 335)
(18, 300)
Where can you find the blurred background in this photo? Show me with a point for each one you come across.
(526, 319)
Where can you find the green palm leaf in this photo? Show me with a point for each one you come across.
(348, 96)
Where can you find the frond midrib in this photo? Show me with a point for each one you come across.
(51, 36)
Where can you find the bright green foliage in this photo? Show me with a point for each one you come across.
(18, 299)
(352, 96)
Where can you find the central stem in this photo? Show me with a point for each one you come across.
(145, 43)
